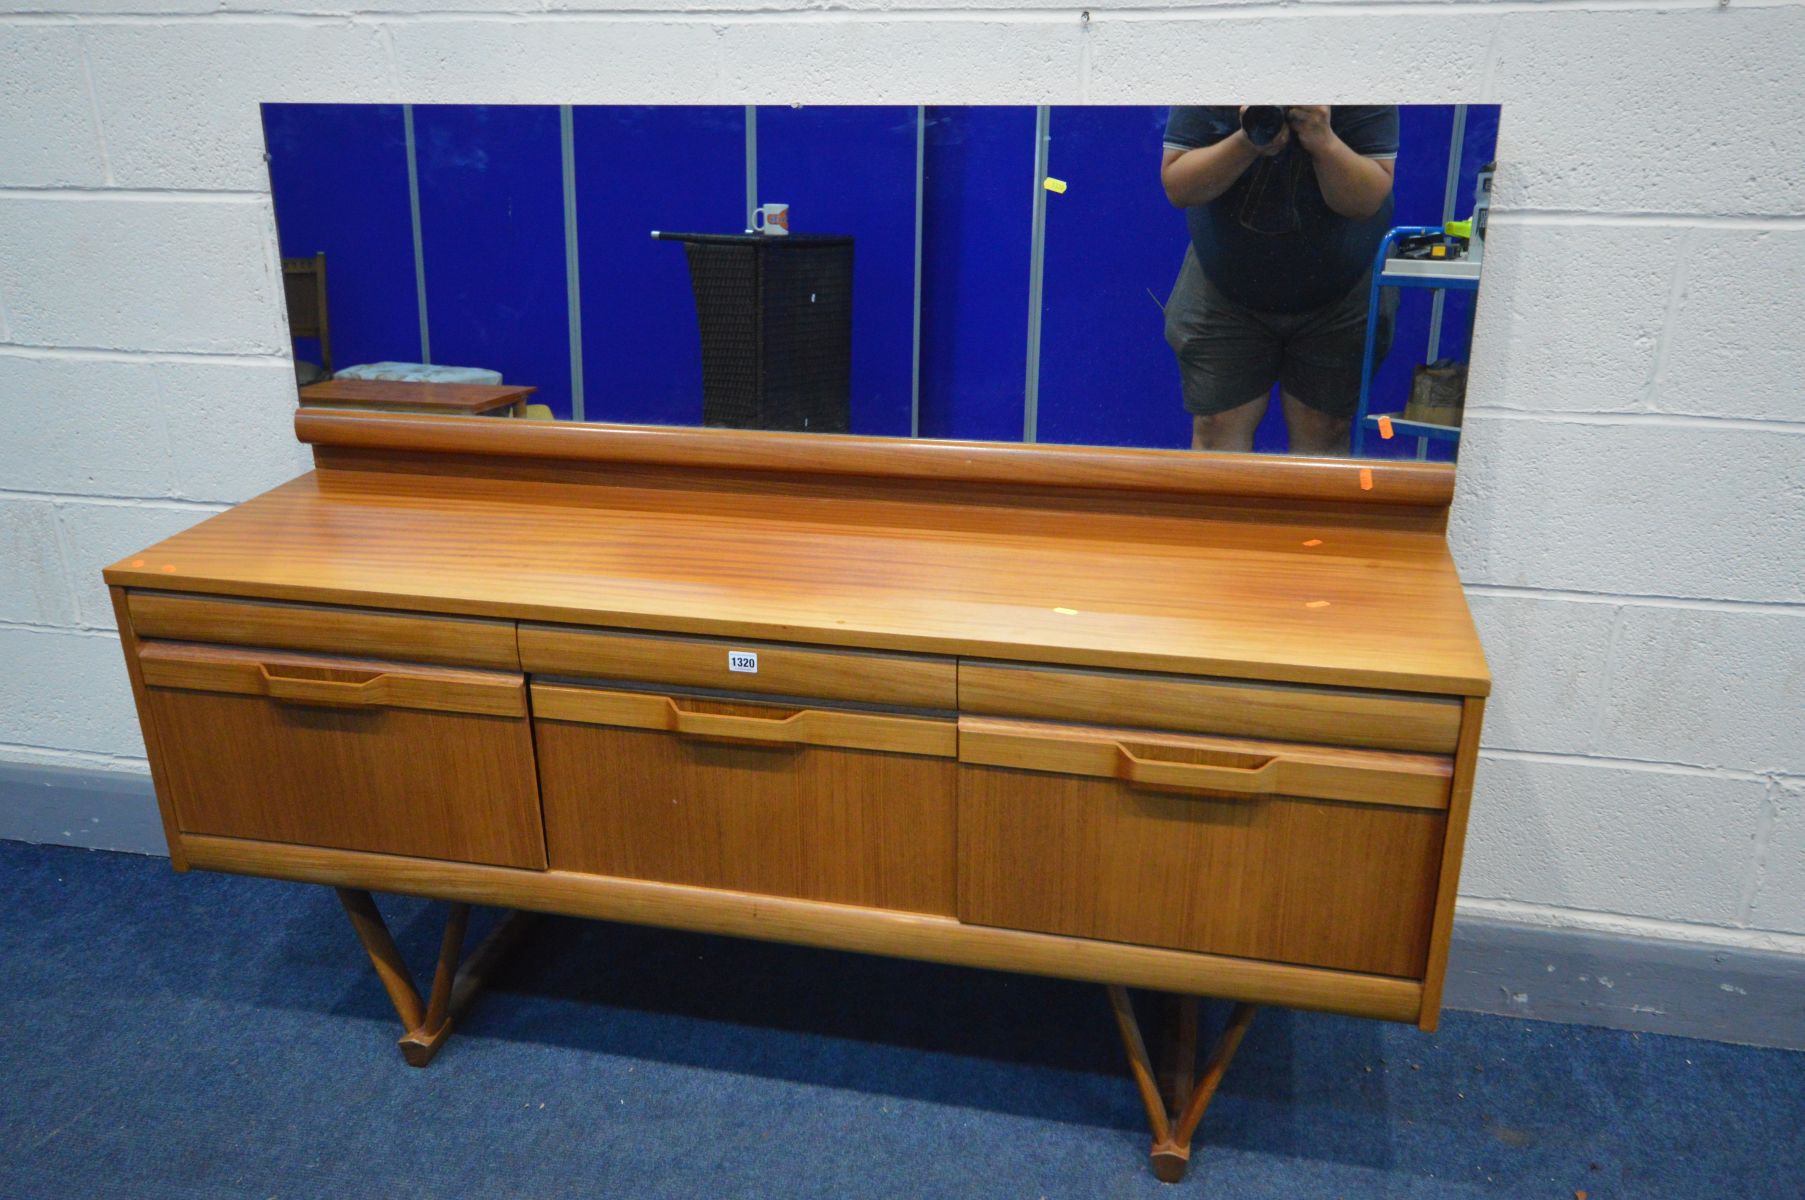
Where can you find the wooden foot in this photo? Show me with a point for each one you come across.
(1175, 1105)
(427, 1024)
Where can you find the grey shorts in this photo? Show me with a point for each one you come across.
(1230, 355)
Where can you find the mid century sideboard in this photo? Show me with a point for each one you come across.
(1199, 724)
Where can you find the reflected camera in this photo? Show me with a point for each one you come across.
(1262, 122)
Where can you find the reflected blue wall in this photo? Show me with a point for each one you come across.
(492, 229)
(977, 190)
(493, 232)
(338, 174)
(1113, 248)
(679, 169)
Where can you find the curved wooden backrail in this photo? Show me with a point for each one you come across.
(1229, 476)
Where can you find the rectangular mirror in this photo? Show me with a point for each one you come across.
(1276, 279)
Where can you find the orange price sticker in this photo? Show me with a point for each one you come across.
(169, 567)
(137, 562)
(1385, 428)
(1366, 479)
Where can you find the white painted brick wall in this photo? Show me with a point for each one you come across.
(1645, 111)
(1631, 518)
(1337, 53)
(1737, 349)
(90, 270)
(553, 58)
(1661, 843)
(106, 532)
(1779, 900)
(81, 425)
(1549, 664)
(60, 691)
(1699, 509)
(231, 421)
(204, 75)
(47, 131)
(1728, 685)
(34, 587)
(1583, 365)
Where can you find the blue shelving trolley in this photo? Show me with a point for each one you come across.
(1442, 274)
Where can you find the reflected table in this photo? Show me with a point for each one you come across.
(391, 395)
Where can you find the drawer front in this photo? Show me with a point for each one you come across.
(1177, 762)
(1180, 843)
(751, 797)
(1342, 717)
(903, 680)
(354, 754)
(460, 641)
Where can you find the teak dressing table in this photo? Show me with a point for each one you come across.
(1200, 724)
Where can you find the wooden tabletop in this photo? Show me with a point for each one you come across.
(395, 395)
(1279, 599)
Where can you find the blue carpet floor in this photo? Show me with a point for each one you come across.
(208, 1036)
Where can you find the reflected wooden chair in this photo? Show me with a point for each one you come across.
(304, 287)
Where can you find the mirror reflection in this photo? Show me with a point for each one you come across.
(1266, 278)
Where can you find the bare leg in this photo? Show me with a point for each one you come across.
(1231, 429)
(1174, 1120)
(428, 1023)
(1314, 433)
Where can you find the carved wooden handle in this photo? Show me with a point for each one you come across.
(1201, 765)
(1259, 779)
(368, 693)
(729, 727)
(785, 727)
(296, 679)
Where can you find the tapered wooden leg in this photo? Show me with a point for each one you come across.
(1178, 1056)
(420, 1043)
(373, 932)
(1171, 1150)
(454, 988)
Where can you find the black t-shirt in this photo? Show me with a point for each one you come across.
(1271, 241)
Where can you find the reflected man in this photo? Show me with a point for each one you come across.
(1285, 215)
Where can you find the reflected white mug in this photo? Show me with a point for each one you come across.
(773, 219)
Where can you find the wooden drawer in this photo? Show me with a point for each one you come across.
(817, 803)
(904, 680)
(1337, 716)
(461, 641)
(355, 754)
(1202, 844)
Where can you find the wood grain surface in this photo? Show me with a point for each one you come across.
(818, 823)
(766, 724)
(414, 396)
(401, 780)
(1337, 716)
(153, 742)
(1447, 888)
(907, 680)
(1221, 696)
(1349, 886)
(1240, 598)
(815, 923)
(460, 641)
(1393, 482)
(1225, 766)
(331, 681)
